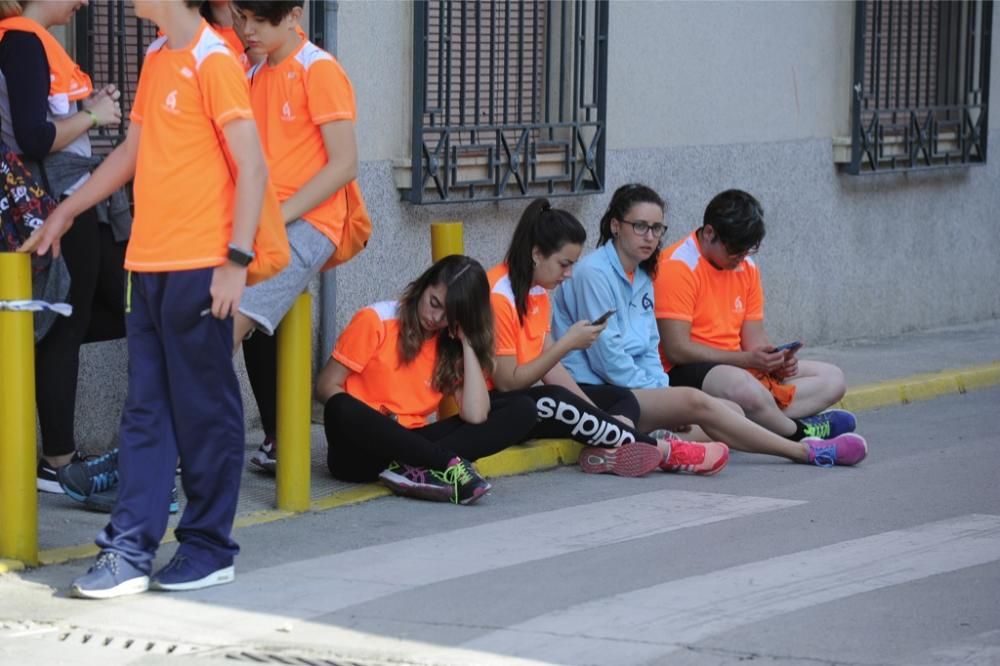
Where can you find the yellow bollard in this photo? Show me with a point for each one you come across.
(18, 497)
(446, 239)
(294, 407)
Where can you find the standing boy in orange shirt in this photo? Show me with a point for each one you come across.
(304, 106)
(188, 260)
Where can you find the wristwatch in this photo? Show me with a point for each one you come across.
(239, 256)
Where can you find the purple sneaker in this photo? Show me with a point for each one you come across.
(418, 482)
(846, 449)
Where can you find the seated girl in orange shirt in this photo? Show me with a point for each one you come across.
(388, 372)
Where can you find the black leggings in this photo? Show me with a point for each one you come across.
(361, 442)
(563, 414)
(97, 294)
(260, 353)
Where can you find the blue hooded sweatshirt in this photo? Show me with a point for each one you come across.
(627, 353)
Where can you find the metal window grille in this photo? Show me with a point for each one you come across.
(509, 99)
(921, 84)
(110, 45)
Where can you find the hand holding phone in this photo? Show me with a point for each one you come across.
(603, 318)
(791, 346)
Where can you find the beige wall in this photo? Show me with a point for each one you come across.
(709, 73)
(680, 73)
(374, 45)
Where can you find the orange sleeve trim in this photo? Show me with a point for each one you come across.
(165, 266)
(338, 115)
(506, 351)
(234, 114)
(760, 318)
(666, 314)
(346, 362)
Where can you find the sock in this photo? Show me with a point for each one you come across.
(800, 431)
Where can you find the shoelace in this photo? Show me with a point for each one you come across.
(458, 474)
(107, 560)
(825, 456)
(819, 428)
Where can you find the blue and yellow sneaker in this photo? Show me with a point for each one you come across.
(829, 424)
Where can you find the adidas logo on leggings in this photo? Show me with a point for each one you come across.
(597, 431)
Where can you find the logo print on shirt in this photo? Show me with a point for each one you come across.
(738, 305)
(647, 302)
(286, 112)
(186, 73)
(170, 104)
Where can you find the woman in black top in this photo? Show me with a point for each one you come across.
(50, 131)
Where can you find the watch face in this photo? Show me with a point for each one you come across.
(238, 256)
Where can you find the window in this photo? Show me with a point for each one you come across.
(921, 84)
(509, 99)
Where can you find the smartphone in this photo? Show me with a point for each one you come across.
(603, 318)
(791, 346)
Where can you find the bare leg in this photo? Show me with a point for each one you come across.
(696, 434)
(738, 385)
(663, 408)
(818, 385)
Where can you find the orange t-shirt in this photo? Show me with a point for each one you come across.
(228, 33)
(715, 302)
(523, 339)
(183, 188)
(290, 101)
(369, 348)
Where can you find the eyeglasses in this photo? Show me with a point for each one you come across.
(642, 228)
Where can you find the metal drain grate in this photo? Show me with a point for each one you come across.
(129, 643)
(260, 657)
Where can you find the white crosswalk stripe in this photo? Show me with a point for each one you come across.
(640, 626)
(378, 571)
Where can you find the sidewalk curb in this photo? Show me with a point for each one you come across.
(925, 386)
(547, 453)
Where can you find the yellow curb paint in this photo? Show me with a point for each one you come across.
(357, 495)
(6, 566)
(921, 387)
(930, 387)
(546, 453)
(871, 397)
(981, 377)
(67, 554)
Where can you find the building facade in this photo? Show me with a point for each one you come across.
(691, 98)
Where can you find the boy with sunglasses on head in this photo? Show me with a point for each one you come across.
(710, 314)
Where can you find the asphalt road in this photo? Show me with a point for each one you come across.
(896, 562)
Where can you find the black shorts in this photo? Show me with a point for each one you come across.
(690, 374)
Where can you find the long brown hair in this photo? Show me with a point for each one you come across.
(622, 201)
(467, 306)
(546, 228)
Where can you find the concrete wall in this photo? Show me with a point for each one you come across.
(702, 97)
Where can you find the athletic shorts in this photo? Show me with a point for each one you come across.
(690, 374)
(267, 302)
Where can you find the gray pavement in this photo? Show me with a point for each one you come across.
(63, 523)
(894, 562)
